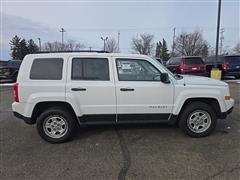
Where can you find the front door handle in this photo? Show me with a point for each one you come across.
(79, 89)
(126, 89)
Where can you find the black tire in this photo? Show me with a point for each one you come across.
(187, 113)
(237, 77)
(63, 115)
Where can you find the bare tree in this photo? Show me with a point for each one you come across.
(71, 45)
(191, 44)
(111, 45)
(143, 44)
(236, 49)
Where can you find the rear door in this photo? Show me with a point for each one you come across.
(90, 86)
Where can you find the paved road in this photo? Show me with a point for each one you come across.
(123, 152)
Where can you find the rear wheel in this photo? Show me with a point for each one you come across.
(197, 119)
(56, 125)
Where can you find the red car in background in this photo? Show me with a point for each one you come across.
(193, 65)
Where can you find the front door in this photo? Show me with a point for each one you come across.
(141, 96)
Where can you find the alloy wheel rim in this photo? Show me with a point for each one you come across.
(199, 121)
(55, 126)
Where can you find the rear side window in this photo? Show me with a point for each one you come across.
(47, 69)
(193, 61)
(95, 69)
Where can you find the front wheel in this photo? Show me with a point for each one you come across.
(197, 119)
(56, 125)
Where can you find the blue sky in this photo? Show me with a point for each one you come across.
(87, 21)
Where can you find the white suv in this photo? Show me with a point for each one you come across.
(57, 91)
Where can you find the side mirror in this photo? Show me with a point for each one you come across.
(165, 78)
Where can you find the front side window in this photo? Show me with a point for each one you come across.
(136, 70)
(95, 69)
(47, 69)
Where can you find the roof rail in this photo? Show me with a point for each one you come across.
(93, 51)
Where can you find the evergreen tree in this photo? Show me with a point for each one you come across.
(162, 51)
(20, 48)
(14, 46)
(32, 47)
(165, 53)
(23, 49)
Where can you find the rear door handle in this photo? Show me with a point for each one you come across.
(126, 89)
(79, 89)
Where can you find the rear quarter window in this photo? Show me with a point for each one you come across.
(47, 69)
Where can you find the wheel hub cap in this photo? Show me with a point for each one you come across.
(55, 126)
(199, 121)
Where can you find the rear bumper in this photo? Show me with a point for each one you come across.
(226, 73)
(27, 120)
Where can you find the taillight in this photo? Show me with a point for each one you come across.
(224, 66)
(16, 95)
(181, 68)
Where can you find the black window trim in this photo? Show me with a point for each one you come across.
(124, 58)
(33, 79)
(106, 58)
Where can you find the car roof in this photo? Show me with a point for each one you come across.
(88, 54)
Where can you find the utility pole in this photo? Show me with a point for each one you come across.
(104, 42)
(62, 31)
(118, 41)
(39, 41)
(221, 40)
(90, 48)
(218, 28)
(174, 35)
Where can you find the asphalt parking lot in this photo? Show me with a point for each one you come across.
(122, 152)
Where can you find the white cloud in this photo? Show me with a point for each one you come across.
(24, 28)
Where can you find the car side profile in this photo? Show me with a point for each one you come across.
(193, 65)
(58, 91)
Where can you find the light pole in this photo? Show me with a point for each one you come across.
(62, 31)
(104, 42)
(39, 41)
(218, 29)
(215, 72)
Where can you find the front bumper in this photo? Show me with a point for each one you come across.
(230, 106)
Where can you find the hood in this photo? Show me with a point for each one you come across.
(199, 80)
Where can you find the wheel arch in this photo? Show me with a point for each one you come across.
(210, 101)
(41, 106)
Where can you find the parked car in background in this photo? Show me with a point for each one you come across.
(228, 64)
(187, 65)
(3, 63)
(9, 71)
